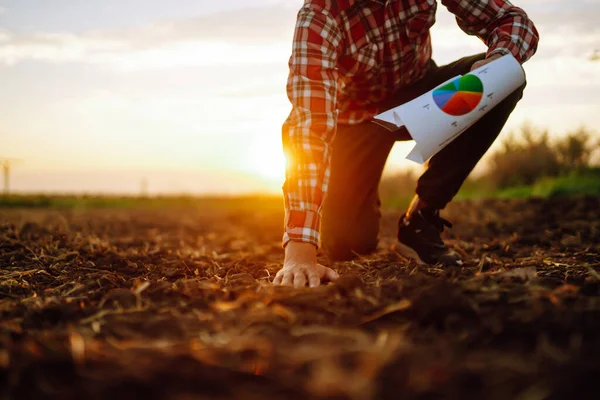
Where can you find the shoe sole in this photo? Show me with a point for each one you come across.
(409, 253)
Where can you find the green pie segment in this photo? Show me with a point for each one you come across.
(470, 83)
(459, 97)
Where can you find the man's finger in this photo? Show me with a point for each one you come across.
(278, 277)
(299, 280)
(475, 66)
(485, 61)
(314, 280)
(288, 279)
(331, 274)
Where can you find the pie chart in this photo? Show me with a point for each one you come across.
(459, 97)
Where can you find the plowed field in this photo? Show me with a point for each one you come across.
(176, 303)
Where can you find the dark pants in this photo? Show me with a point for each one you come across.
(351, 211)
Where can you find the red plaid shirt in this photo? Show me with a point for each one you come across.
(348, 56)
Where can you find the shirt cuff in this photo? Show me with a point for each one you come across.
(302, 226)
(504, 50)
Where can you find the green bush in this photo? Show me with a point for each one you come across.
(529, 163)
(584, 181)
(575, 150)
(525, 160)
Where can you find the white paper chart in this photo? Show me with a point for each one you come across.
(438, 117)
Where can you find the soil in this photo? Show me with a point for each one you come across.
(177, 304)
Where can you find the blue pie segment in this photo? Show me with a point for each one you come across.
(459, 97)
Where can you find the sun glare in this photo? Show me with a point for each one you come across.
(266, 160)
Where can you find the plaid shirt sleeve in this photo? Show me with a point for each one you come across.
(505, 29)
(310, 128)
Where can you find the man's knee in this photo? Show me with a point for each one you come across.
(349, 248)
(517, 95)
(499, 114)
(342, 243)
(506, 106)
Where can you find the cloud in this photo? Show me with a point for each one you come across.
(3, 10)
(570, 70)
(56, 47)
(244, 26)
(4, 36)
(64, 48)
(254, 36)
(262, 36)
(568, 19)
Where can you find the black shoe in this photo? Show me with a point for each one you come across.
(419, 238)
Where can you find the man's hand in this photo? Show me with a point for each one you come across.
(301, 267)
(481, 63)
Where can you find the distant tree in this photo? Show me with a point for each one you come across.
(523, 161)
(575, 150)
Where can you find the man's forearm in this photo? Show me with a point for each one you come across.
(309, 130)
(504, 27)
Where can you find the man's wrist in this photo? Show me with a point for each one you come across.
(301, 251)
(498, 52)
(298, 244)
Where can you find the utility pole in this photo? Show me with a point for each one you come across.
(7, 163)
(144, 188)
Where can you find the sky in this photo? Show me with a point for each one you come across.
(189, 95)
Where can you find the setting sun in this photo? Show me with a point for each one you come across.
(265, 159)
